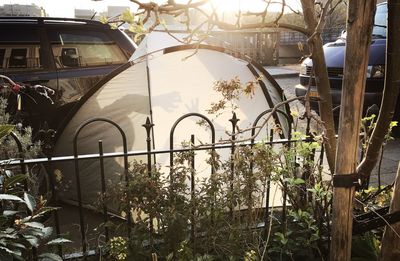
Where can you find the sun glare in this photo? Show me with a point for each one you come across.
(250, 5)
(235, 5)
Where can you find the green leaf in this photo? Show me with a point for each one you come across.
(51, 256)
(59, 241)
(8, 213)
(298, 181)
(34, 241)
(29, 201)
(18, 245)
(5, 130)
(14, 180)
(10, 197)
(9, 251)
(127, 16)
(34, 224)
(47, 231)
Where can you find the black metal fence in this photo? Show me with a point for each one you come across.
(25, 165)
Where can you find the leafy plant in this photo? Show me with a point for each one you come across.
(224, 217)
(21, 214)
(21, 220)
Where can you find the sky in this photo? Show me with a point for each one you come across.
(65, 8)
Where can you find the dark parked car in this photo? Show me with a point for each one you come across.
(334, 56)
(67, 55)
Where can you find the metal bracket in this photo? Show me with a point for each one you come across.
(345, 180)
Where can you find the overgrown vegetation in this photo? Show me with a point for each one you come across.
(181, 213)
(22, 209)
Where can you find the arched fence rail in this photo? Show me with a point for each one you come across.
(231, 144)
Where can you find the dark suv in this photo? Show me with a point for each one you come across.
(67, 55)
(334, 56)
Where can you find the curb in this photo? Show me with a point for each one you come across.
(284, 75)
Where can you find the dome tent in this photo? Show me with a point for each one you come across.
(163, 85)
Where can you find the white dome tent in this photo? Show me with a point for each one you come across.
(161, 85)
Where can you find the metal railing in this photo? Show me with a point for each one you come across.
(49, 160)
(150, 153)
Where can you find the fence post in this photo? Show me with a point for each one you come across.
(193, 199)
(148, 126)
(47, 136)
(234, 120)
(103, 190)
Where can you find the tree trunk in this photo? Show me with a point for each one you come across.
(325, 103)
(390, 92)
(321, 79)
(359, 24)
(390, 247)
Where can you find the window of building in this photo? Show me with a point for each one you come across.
(19, 49)
(18, 58)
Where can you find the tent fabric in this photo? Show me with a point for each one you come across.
(162, 86)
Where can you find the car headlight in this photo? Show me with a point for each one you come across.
(303, 69)
(376, 71)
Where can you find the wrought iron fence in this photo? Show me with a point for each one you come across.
(26, 164)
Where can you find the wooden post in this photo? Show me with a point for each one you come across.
(390, 247)
(359, 25)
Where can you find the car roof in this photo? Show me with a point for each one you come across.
(48, 20)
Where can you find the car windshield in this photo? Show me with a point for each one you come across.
(379, 30)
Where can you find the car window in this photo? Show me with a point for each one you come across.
(75, 48)
(380, 21)
(20, 49)
(2, 53)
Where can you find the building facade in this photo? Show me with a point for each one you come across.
(22, 10)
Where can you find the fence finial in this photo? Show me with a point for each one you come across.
(148, 125)
(234, 120)
(46, 135)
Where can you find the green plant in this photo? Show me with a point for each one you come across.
(21, 214)
(21, 227)
(220, 219)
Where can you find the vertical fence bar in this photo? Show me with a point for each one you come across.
(266, 218)
(379, 168)
(148, 126)
(306, 165)
(171, 143)
(80, 206)
(54, 195)
(321, 155)
(268, 186)
(21, 156)
(126, 173)
(284, 196)
(103, 190)
(78, 181)
(234, 120)
(33, 255)
(171, 146)
(193, 199)
(47, 135)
